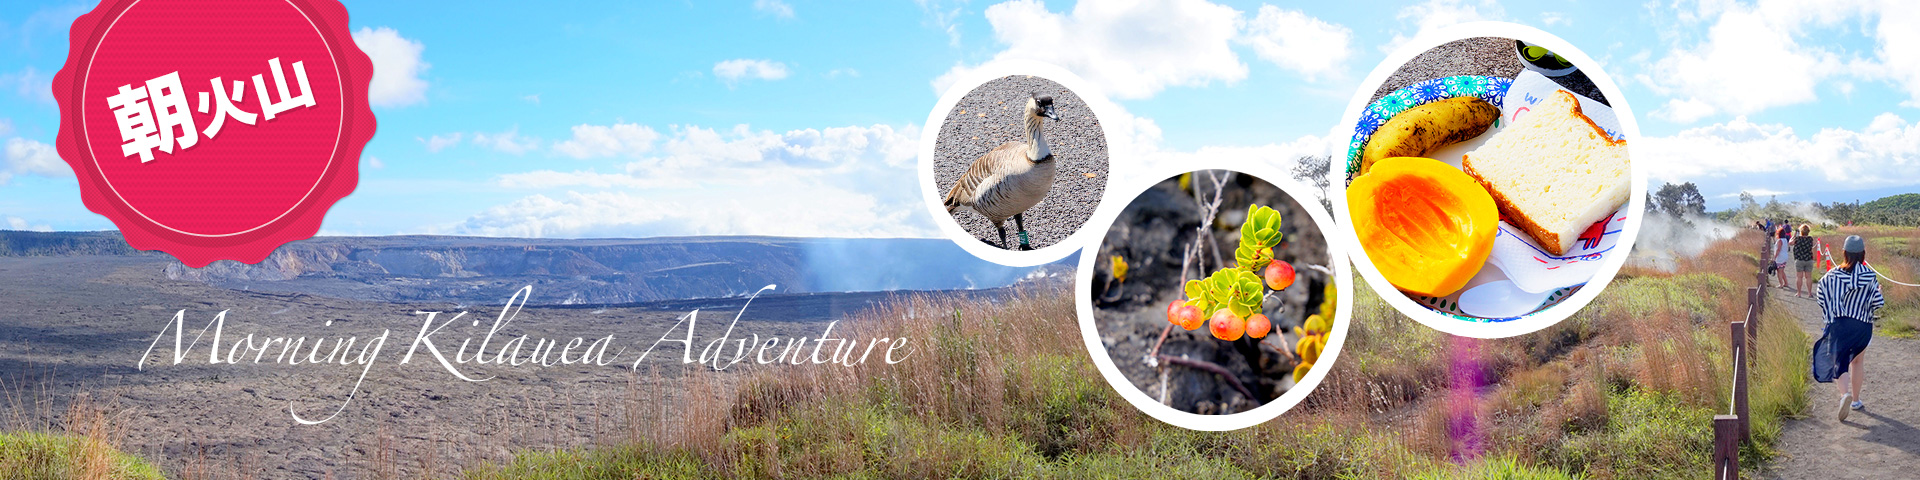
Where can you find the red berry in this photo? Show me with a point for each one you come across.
(1173, 310)
(1258, 326)
(1279, 275)
(1190, 317)
(1227, 326)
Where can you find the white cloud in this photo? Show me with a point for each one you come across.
(774, 7)
(1898, 50)
(375, 163)
(945, 16)
(396, 67)
(1299, 42)
(1886, 153)
(1433, 14)
(17, 223)
(533, 99)
(827, 213)
(1754, 56)
(1748, 62)
(1130, 49)
(733, 71)
(437, 143)
(1284, 155)
(28, 157)
(843, 181)
(548, 179)
(1755, 192)
(6, 126)
(843, 72)
(590, 141)
(508, 141)
(29, 83)
(1555, 19)
(1685, 110)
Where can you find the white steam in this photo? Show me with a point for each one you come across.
(1665, 240)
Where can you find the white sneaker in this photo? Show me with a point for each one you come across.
(1846, 400)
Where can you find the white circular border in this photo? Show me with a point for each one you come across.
(1636, 203)
(966, 82)
(1343, 305)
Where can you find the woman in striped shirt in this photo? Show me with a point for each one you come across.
(1848, 296)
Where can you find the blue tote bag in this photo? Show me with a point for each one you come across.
(1824, 366)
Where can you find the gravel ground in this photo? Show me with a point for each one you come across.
(1490, 56)
(989, 116)
(1151, 234)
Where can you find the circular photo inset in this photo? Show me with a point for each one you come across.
(1213, 302)
(1488, 179)
(1020, 163)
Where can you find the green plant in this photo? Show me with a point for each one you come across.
(1257, 237)
(1230, 296)
(1232, 289)
(50, 455)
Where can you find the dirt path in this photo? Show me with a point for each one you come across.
(1882, 441)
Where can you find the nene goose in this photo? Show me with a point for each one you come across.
(1013, 177)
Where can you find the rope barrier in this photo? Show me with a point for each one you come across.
(1883, 276)
(1828, 256)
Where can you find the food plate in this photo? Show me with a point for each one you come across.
(1524, 278)
(1491, 89)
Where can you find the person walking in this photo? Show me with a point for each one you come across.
(1781, 245)
(1848, 296)
(1803, 262)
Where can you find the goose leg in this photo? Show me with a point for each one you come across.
(1002, 226)
(1020, 222)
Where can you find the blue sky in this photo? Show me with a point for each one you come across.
(803, 118)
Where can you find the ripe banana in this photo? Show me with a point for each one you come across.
(1423, 129)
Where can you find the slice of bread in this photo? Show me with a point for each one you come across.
(1553, 172)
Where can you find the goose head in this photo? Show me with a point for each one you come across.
(1041, 106)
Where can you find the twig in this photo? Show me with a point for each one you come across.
(1151, 355)
(1283, 352)
(1215, 369)
(1203, 236)
(1164, 400)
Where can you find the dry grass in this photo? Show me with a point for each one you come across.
(1620, 390)
(993, 390)
(83, 443)
(1004, 389)
(1896, 255)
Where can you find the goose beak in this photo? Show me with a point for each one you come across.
(1049, 113)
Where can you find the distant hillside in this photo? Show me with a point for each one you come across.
(14, 243)
(482, 270)
(600, 271)
(1902, 209)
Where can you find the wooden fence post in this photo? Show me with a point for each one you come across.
(1726, 447)
(1757, 304)
(1739, 332)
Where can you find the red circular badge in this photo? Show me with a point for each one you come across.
(214, 129)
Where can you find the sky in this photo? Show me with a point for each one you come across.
(798, 118)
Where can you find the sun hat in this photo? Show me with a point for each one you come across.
(1855, 244)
